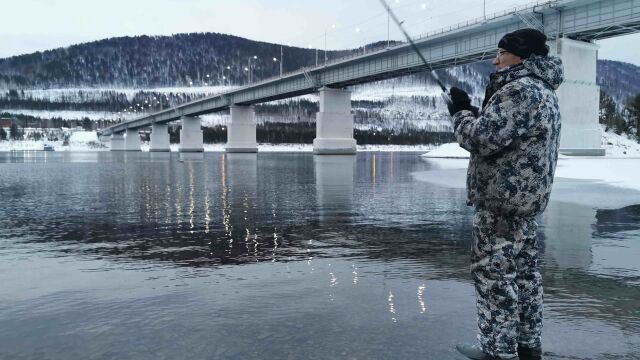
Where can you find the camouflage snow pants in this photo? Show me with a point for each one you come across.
(504, 267)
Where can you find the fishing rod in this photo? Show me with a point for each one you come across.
(445, 93)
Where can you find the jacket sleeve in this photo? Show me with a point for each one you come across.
(503, 120)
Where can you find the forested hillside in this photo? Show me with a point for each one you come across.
(152, 61)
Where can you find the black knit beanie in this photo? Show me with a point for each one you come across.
(524, 43)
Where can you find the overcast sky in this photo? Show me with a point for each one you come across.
(36, 25)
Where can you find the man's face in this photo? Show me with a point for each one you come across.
(504, 59)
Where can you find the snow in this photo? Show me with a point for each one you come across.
(64, 114)
(620, 167)
(73, 94)
(451, 151)
(83, 137)
(619, 145)
(619, 172)
(616, 146)
(27, 145)
(374, 92)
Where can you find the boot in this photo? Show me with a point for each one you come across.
(527, 353)
(475, 352)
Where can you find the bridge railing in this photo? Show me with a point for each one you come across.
(368, 50)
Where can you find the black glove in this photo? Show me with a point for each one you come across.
(460, 101)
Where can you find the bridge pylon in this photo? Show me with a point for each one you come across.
(334, 123)
(159, 140)
(578, 97)
(191, 135)
(241, 132)
(131, 141)
(117, 141)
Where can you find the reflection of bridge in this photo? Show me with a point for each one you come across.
(571, 24)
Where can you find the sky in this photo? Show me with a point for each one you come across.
(37, 25)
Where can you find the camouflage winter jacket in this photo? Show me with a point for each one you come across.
(514, 140)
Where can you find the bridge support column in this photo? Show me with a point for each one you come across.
(191, 135)
(159, 138)
(334, 123)
(241, 132)
(117, 141)
(132, 140)
(579, 98)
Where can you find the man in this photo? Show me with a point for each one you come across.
(513, 141)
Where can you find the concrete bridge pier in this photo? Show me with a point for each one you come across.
(241, 132)
(579, 98)
(191, 135)
(334, 124)
(132, 140)
(159, 140)
(117, 142)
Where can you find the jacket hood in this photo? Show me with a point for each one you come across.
(547, 68)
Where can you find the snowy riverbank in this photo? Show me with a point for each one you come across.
(616, 146)
(620, 167)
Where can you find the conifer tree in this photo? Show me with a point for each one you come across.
(634, 113)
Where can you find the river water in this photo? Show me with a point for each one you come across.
(286, 256)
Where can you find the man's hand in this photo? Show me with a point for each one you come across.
(460, 101)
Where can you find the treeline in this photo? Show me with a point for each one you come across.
(305, 132)
(620, 118)
(16, 133)
(27, 121)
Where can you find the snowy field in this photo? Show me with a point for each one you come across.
(378, 91)
(83, 94)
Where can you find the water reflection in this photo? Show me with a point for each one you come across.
(191, 157)
(334, 185)
(567, 235)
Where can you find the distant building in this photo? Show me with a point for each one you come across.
(5, 123)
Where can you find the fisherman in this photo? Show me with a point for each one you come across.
(513, 141)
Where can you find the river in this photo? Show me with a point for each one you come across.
(109, 255)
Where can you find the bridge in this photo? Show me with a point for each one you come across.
(570, 25)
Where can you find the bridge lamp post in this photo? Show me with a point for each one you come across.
(281, 60)
(250, 68)
(276, 60)
(228, 68)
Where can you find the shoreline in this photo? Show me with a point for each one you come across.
(24, 145)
